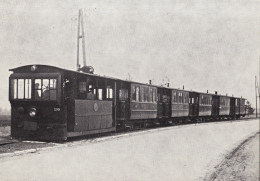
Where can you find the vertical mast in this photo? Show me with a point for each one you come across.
(83, 40)
(81, 35)
(78, 37)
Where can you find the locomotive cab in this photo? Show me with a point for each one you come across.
(36, 104)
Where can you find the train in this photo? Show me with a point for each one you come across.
(52, 103)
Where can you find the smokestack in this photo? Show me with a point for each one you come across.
(183, 87)
(216, 92)
(150, 81)
(226, 94)
(207, 91)
(168, 84)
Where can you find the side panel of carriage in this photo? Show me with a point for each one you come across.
(90, 101)
(205, 106)
(180, 103)
(143, 103)
(224, 109)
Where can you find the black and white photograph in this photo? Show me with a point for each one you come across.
(129, 90)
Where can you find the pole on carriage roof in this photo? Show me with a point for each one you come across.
(81, 35)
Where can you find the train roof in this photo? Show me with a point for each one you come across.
(49, 68)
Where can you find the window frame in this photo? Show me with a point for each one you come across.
(56, 76)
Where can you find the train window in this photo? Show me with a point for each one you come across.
(143, 95)
(123, 94)
(180, 97)
(154, 95)
(14, 89)
(100, 94)
(21, 88)
(28, 88)
(90, 88)
(185, 98)
(38, 89)
(91, 92)
(133, 93)
(165, 98)
(137, 93)
(45, 89)
(109, 93)
(150, 96)
(82, 87)
(146, 98)
(174, 97)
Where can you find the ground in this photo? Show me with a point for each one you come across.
(240, 164)
(188, 152)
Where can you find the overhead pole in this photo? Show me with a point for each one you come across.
(78, 37)
(83, 40)
(81, 35)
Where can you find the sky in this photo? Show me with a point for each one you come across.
(202, 44)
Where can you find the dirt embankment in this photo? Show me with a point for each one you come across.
(242, 164)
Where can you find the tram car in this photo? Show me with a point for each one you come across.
(51, 103)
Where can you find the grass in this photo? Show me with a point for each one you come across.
(5, 120)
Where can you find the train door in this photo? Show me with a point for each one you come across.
(164, 106)
(193, 104)
(232, 107)
(123, 103)
(215, 105)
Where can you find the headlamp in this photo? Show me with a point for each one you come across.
(33, 68)
(33, 112)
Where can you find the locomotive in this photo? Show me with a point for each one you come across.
(51, 103)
